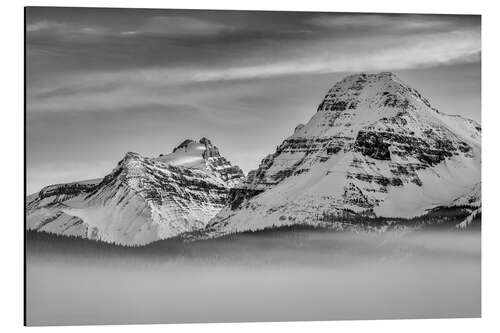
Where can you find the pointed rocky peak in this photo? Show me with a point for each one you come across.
(129, 160)
(203, 155)
(384, 89)
(375, 118)
(205, 141)
(210, 150)
(131, 164)
(131, 155)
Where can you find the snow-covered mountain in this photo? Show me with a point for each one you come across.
(375, 148)
(142, 200)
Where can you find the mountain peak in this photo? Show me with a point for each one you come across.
(205, 141)
(372, 91)
(204, 155)
(372, 76)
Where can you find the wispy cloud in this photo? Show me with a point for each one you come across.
(63, 28)
(179, 26)
(66, 32)
(402, 23)
(170, 26)
(43, 25)
(112, 90)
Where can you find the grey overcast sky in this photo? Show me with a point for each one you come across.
(101, 82)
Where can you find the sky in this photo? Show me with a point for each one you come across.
(102, 82)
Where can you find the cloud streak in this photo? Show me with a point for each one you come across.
(402, 23)
(181, 26)
(173, 26)
(112, 90)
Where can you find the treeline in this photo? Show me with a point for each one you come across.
(438, 218)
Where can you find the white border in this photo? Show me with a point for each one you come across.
(11, 132)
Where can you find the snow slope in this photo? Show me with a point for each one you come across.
(142, 200)
(375, 147)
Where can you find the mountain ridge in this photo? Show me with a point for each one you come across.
(375, 148)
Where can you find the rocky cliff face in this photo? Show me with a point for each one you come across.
(142, 200)
(375, 148)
